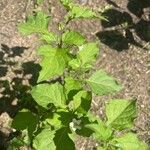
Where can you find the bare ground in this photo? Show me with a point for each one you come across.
(125, 54)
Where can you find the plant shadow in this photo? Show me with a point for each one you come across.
(14, 90)
(120, 29)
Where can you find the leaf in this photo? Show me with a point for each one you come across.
(45, 94)
(44, 140)
(101, 131)
(40, 2)
(82, 102)
(73, 38)
(130, 141)
(54, 120)
(121, 113)
(101, 148)
(72, 84)
(81, 12)
(67, 3)
(87, 53)
(103, 84)
(35, 24)
(53, 63)
(49, 37)
(75, 64)
(16, 143)
(62, 140)
(23, 121)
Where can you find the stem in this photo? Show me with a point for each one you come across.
(63, 31)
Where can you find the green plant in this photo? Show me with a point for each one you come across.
(64, 92)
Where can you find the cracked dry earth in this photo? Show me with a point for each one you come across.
(130, 65)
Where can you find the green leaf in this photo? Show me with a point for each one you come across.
(87, 53)
(82, 102)
(75, 64)
(101, 148)
(101, 131)
(22, 121)
(49, 37)
(67, 3)
(53, 63)
(63, 141)
(72, 84)
(35, 24)
(44, 140)
(73, 38)
(121, 113)
(45, 94)
(103, 84)
(16, 143)
(54, 120)
(81, 12)
(40, 2)
(130, 142)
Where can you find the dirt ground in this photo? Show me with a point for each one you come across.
(124, 53)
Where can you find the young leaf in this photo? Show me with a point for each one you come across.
(101, 131)
(103, 84)
(130, 142)
(87, 53)
(73, 38)
(63, 141)
(35, 24)
(23, 121)
(72, 84)
(67, 3)
(121, 113)
(53, 63)
(74, 64)
(82, 102)
(54, 120)
(44, 140)
(45, 94)
(49, 37)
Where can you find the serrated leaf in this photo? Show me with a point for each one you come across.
(35, 24)
(45, 94)
(44, 140)
(101, 131)
(63, 141)
(81, 102)
(81, 12)
(87, 53)
(53, 63)
(73, 38)
(130, 141)
(22, 121)
(103, 84)
(49, 37)
(72, 84)
(121, 113)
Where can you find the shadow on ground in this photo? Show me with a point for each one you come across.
(118, 32)
(14, 93)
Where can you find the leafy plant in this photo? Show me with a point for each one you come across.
(64, 91)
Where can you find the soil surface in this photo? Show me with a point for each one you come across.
(124, 53)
